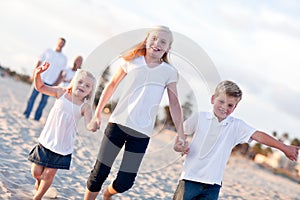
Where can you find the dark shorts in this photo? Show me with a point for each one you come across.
(42, 156)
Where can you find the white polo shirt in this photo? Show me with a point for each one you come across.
(211, 146)
(141, 94)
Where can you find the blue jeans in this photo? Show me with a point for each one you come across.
(116, 136)
(39, 110)
(190, 190)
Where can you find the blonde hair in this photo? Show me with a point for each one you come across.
(83, 73)
(140, 48)
(229, 88)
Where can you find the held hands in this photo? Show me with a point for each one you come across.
(91, 127)
(181, 145)
(94, 124)
(291, 152)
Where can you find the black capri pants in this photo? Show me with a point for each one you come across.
(115, 137)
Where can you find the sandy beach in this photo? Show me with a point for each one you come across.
(159, 173)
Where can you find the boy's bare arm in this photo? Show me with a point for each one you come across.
(289, 150)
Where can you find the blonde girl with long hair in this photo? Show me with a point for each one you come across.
(56, 140)
(148, 74)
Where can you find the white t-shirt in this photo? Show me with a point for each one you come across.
(60, 129)
(142, 92)
(58, 62)
(211, 146)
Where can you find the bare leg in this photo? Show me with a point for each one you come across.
(45, 182)
(37, 171)
(90, 195)
(109, 192)
(37, 184)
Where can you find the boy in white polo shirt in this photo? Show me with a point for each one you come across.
(215, 134)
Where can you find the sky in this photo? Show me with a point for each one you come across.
(253, 43)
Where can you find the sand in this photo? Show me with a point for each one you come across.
(158, 175)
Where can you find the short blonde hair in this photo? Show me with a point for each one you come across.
(83, 73)
(229, 88)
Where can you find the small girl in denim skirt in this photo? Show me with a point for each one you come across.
(57, 138)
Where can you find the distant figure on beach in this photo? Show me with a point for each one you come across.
(214, 136)
(56, 140)
(58, 62)
(149, 73)
(65, 77)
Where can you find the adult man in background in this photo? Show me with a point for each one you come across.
(58, 63)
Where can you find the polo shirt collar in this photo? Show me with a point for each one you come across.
(210, 115)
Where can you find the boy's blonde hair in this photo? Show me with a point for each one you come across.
(83, 73)
(229, 88)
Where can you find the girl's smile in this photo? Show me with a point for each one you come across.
(158, 43)
(83, 87)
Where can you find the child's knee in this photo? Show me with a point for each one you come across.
(95, 181)
(122, 187)
(49, 173)
(36, 174)
(124, 181)
(36, 171)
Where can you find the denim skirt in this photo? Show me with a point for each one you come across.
(42, 156)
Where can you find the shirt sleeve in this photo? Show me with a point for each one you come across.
(245, 132)
(173, 77)
(124, 64)
(190, 125)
